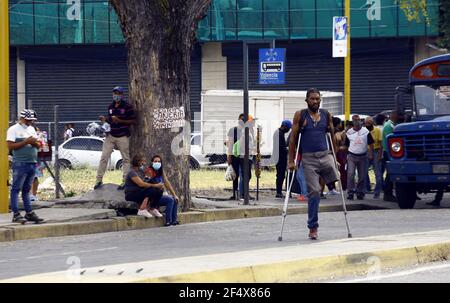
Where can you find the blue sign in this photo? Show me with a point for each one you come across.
(272, 65)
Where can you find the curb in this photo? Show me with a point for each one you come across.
(28, 232)
(307, 270)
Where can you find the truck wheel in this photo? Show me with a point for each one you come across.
(406, 195)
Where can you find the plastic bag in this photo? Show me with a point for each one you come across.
(230, 174)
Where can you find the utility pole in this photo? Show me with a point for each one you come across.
(4, 104)
(347, 65)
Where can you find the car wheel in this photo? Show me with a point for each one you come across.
(64, 164)
(119, 164)
(406, 195)
(193, 164)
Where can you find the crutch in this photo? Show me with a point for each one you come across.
(288, 192)
(340, 183)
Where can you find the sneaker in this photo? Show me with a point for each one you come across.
(313, 234)
(175, 223)
(155, 213)
(168, 224)
(33, 217)
(334, 192)
(18, 218)
(301, 198)
(98, 185)
(350, 196)
(279, 196)
(249, 198)
(33, 198)
(360, 196)
(144, 213)
(232, 198)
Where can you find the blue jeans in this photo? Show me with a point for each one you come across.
(377, 170)
(171, 208)
(313, 211)
(23, 177)
(300, 175)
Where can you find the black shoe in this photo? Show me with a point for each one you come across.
(434, 203)
(389, 198)
(175, 223)
(232, 197)
(98, 185)
(360, 196)
(350, 196)
(250, 198)
(18, 218)
(33, 217)
(280, 196)
(167, 224)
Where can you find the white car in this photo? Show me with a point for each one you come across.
(197, 159)
(86, 151)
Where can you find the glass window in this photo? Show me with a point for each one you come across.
(71, 22)
(250, 19)
(46, 23)
(116, 35)
(21, 23)
(387, 25)
(96, 22)
(204, 28)
(358, 18)
(95, 144)
(326, 10)
(303, 19)
(276, 19)
(223, 20)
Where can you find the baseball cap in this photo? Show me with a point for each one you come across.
(287, 123)
(28, 114)
(119, 89)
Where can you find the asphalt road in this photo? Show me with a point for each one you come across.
(54, 254)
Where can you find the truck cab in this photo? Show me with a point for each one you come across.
(419, 152)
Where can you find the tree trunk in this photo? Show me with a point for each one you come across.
(159, 36)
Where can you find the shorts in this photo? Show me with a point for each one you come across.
(320, 164)
(39, 170)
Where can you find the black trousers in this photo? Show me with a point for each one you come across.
(153, 194)
(238, 163)
(281, 172)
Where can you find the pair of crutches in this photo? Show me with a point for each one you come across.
(289, 187)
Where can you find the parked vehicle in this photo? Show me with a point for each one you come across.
(420, 151)
(86, 151)
(221, 108)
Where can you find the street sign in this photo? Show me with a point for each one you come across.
(272, 65)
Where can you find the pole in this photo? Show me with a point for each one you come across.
(347, 65)
(258, 160)
(246, 129)
(56, 142)
(4, 101)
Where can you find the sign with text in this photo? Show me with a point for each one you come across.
(339, 37)
(272, 65)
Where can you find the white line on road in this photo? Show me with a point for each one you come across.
(66, 253)
(398, 274)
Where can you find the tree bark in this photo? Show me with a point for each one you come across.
(159, 36)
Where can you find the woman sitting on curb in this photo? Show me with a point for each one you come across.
(138, 191)
(156, 175)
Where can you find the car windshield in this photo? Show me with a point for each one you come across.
(432, 100)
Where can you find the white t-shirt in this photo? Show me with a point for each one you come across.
(17, 133)
(358, 141)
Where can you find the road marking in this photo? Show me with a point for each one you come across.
(64, 254)
(398, 274)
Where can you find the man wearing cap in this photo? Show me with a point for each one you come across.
(120, 116)
(279, 138)
(23, 142)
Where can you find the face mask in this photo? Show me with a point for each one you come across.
(117, 98)
(142, 167)
(156, 165)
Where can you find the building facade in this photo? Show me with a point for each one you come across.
(71, 52)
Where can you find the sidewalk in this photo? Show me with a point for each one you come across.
(298, 263)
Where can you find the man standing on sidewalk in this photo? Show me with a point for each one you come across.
(358, 141)
(120, 116)
(313, 125)
(279, 137)
(377, 156)
(23, 142)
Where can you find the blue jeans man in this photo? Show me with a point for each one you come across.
(23, 176)
(376, 164)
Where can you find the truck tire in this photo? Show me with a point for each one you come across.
(406, 195)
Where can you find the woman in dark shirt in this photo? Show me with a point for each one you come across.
(156, 175)
(141, 192)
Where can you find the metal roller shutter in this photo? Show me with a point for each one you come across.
(378, 67)
(12, 85)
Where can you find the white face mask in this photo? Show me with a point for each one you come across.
(156, 165)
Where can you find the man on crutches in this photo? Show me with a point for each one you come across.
(318, 161)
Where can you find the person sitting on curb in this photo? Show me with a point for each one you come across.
(155, 175)
(141, 192)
